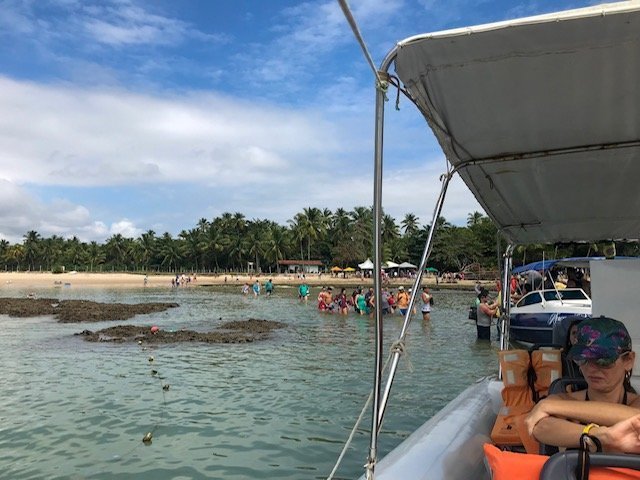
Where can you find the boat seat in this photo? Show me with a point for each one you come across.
(564, 465)
(527, 376)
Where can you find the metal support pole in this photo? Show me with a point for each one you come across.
(506, 298)
(416, 285)
(377, 283)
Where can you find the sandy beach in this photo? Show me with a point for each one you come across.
(39, 280)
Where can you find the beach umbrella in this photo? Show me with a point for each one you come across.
(431, 269)
(336, 269)
(349, 269)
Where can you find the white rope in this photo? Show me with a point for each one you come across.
(351, 435)
(356, 31)
(399, 347)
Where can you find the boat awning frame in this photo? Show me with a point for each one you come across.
(530, 109)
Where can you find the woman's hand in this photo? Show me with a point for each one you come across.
(624, 436)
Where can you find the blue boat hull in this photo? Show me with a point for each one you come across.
(539, 327)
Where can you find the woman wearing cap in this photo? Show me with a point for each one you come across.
(603, 353)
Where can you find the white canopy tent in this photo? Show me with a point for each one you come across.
(390, 264)
(366, 265)
(407, 265)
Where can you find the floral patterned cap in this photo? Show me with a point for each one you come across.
(601, 337)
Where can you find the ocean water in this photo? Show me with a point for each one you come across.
(275, 409)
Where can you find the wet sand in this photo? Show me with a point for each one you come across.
(35, 280)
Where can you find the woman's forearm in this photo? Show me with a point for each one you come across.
(602, 413)
(558, 432)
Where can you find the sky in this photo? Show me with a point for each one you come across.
(123, 116)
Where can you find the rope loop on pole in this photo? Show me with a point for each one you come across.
(400, 348)
(369, 466)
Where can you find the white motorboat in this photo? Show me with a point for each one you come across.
(539, 116)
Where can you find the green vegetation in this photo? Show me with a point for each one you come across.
(229, 242)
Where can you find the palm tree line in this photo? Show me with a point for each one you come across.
(230, 242)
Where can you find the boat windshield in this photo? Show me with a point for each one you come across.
(551, 295)
(529, 299)
(569, 294)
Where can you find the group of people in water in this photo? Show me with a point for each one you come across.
(256, 288)
(361, 301)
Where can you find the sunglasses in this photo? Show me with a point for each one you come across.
(600, 362)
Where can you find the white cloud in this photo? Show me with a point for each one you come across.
(124, 23)
(21, 212)
(72, 136)
(262, 160)
(125, 228)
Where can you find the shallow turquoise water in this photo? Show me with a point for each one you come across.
(278, 409)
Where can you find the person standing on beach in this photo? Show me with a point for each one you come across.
(426, 303)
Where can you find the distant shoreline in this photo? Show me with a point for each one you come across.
(39, 280)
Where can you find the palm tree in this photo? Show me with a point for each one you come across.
(191, 246)
(314, 224)
(203, 225)
(390, 229)
(474, 218)
(214, 242)
(362, 232)
(170, 252)
(52, 249)
(15, 255)
(297, 231)
(95, 255)
(147, 247)
(116, 249)
(410, 224)
(257, 239)
(4, 248)
(74, 252)
(31, 249)
(340, 223)
(276, 244)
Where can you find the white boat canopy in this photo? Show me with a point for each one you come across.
(531, 109)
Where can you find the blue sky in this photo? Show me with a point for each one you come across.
(120, 116)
